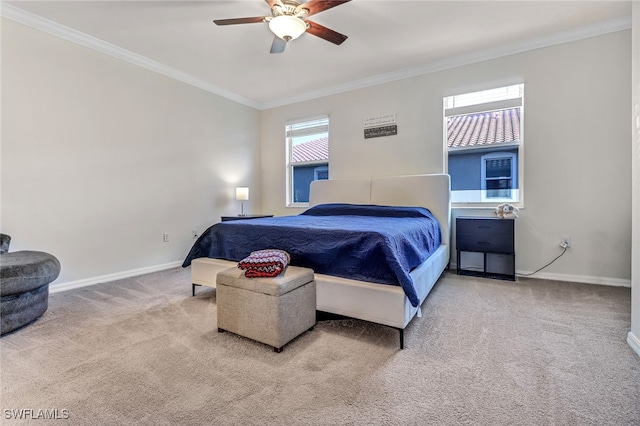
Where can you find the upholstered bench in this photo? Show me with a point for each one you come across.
(273, 311)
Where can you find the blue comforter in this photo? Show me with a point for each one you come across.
(379, 244)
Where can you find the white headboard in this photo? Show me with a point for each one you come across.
(353, 191)
(430, 191)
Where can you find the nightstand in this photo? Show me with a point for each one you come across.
(249, 216)
(494, 238)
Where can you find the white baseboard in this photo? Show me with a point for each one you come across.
(615, 282)
(634, 342)
(586, 279)
(55, 288)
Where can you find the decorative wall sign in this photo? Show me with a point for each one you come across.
(376, 132)
(381, 120)
(382, 125)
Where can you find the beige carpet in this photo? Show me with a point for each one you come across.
(486, 352)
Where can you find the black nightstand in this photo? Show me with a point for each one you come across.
(249, 216)
(495, 238)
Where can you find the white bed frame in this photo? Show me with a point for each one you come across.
(385, 304)
(378, 303)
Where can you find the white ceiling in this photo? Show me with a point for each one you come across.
(387, 39)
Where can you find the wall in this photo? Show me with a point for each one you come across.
(101, 157)
(577, 175)
(634, 334)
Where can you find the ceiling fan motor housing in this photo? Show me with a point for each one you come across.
(289, 7)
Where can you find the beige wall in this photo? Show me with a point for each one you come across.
(576, 156)
(634, 336)
(101, 157)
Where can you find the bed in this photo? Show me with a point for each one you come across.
(361, 297)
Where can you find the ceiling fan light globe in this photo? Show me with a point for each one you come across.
(287, 27)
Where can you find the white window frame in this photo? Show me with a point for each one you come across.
(300, 128)
(504, 97)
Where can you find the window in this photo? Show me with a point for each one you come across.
(483, 145)
(499, 176)
(307, 158)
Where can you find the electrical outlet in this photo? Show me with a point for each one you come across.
(565, 241)
(194, 234)
(165, 237)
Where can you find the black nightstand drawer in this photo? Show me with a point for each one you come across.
(482, 226)
(486, 245)
(495, 243)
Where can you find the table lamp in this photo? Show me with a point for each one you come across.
(242, 195)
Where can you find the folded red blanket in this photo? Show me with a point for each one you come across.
(265, 263)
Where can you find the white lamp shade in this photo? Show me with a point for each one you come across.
(242, 193)
(287, 27)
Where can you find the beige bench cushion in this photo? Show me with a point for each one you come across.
(292, 278)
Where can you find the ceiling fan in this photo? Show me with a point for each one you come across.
(288, 21)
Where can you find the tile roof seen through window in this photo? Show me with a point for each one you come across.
(314, 150)
(483, 129)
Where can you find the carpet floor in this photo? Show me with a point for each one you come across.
(143, 351)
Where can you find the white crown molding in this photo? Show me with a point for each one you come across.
(51, 27)
(593, 30)
(55, 288)
(56, 29)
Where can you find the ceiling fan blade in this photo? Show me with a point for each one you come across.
(234, 21)
(278, 45)
(325, 33)
(317, 6)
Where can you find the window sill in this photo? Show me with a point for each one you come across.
(297, 205)
(469, 206)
